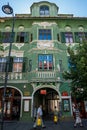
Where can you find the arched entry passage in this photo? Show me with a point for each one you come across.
(49, 98)
(12, 103)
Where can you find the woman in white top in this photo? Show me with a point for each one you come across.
(39, 115)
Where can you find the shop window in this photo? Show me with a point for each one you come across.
(45, 34)
(22, 37)
(45, 62)
(66, 105)
(44, 10)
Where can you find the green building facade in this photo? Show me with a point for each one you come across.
(38, 58)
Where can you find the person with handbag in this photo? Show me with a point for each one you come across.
(77, 117)
(39, 119)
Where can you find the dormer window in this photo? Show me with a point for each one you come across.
(44, 10)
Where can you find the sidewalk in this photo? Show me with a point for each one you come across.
(63, 125)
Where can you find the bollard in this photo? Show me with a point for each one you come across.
(39, 123)
(55, 119)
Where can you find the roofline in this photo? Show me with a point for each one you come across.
(28, 17)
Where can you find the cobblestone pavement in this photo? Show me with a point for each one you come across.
(62, 125)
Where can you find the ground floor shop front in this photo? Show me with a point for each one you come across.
(18, 106)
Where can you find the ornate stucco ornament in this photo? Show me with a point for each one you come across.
(44, 24)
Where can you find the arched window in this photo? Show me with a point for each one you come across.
(44, 10)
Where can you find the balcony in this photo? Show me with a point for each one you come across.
(46, 76)
(14, 77)
(33, 76)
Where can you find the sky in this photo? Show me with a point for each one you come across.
(76, 7)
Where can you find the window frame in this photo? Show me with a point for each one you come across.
(68, 37)
(6, 37)
(3, 61)
(44, 34)
(45, 62)
(44, 10)
(22, 37)
(17, 63)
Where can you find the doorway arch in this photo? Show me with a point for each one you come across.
(48, 97)
(12, 104)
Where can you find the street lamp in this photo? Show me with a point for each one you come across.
(7, 9)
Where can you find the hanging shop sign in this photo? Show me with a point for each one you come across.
(43, 91)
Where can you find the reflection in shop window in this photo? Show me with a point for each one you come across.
(66, 105)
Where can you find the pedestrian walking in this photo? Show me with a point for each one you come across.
(77, 117)
(39, 119)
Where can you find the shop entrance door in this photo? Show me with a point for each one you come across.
(48, 98)
(12, 103)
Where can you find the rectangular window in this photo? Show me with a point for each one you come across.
(22, 37)
(6, 64)
(2, 64)
(44, 10)
(80, 36)
(6, 37)
(17, 64)
(45, 34)
(68, 37)
(45, 62)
